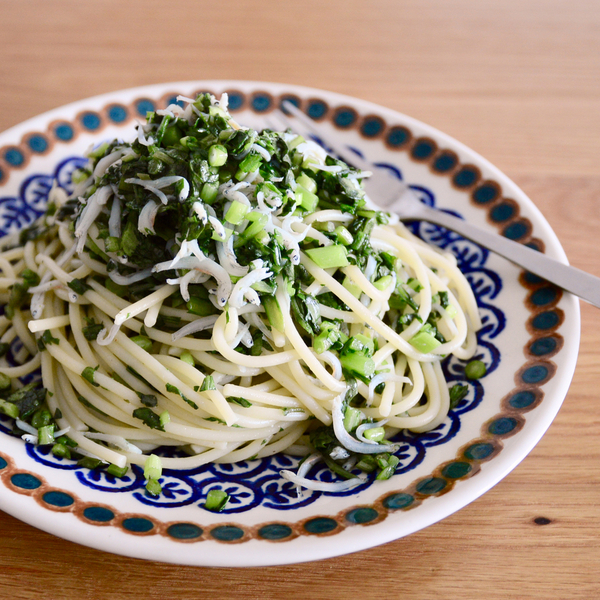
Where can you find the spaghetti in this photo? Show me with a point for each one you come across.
(230, 294)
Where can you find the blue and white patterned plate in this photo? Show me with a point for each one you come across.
(529, 342)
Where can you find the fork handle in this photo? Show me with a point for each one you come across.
(572, 280)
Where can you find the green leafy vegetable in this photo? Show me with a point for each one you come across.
(457, 393)
(148, 400)
(89, 374)
(79, 286)
(149, 417)
(475, 369)
(240, 401)
(216, 500)
(208, 384)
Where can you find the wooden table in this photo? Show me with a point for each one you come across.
(518, 81)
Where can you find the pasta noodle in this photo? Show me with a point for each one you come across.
(222, 355)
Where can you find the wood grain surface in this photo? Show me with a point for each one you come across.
(519, 82)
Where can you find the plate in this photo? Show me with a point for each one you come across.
(529, 341)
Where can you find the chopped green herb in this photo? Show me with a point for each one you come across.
(328, 257)
(79, 286)
(208, 384)
(129, 241)
(358, 364)
(475, 369)
(306, 199)
(153, 487)
(323, 438)
(115, 471)
(92, 330)
(4, 382)
(375, 434)
(174, 390)
(190, 402)
(216, 500)
(186, 357)
(9, 409)
(89, 373)
(444, 303)
(30, 278)
(389, 469)
(165, 418)
(145, 343)
(149, 417)
(87, 462)
(46, 435)
(217, 155)
(41, 417)
(457, 393)
(200, 307)
(152, 467)
(148, 400)
(61, 450)
(28, 399)
(238, 400)
(383, 282)
(424, 341)
(18, 293)
(273, 311)
(112, 244)
(215, 420)
(352, 418)
(336, 468)
(367, 463)
(45, 339)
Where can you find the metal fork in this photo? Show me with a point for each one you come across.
(392, 195)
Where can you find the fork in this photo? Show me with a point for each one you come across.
(392, 195)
